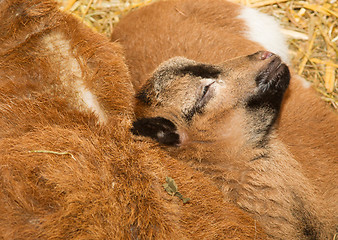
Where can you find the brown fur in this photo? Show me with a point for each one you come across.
(69, 167)
(231, 138)
(309, 128)
(208, 32)
(205, 31)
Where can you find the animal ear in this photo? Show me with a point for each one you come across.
(161, 129)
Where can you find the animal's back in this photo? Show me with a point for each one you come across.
(214, 31)
(205, 31)
(69, 166)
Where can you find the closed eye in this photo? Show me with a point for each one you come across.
(205, 95)
(205, 90)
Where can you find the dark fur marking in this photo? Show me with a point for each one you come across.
(309, 224)
(259, 157)
(158, 128)
(143, 97)
(200, 70)
(270, 91)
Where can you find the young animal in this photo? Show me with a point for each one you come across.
(214, 31)
(220, 119)
(69, 166)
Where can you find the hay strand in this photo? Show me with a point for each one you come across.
(69, 5)
(307, 53)
(56, 153)
(258, 4)
(88, 6)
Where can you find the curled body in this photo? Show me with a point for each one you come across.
(69, 166)
(220, 119)
(304, 133)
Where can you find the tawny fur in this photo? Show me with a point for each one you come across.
(232, 138)
(69, 166)
(211, 32)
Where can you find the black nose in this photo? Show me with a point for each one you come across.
(274, 77)
(271, 82)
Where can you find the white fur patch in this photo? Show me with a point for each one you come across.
(89, 99)
(305, 83)
(264, 30)
(71, 74)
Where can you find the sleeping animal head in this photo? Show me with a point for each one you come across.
(237, 101)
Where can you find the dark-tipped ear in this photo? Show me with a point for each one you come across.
(158, 128)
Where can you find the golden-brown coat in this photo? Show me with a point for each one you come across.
(69, 166)
(220, 119)
(211, 32)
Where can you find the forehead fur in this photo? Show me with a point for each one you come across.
(168, 71)
(161, 79)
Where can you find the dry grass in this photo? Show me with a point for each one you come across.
(311, 27)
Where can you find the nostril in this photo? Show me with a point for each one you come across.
(264, 55)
